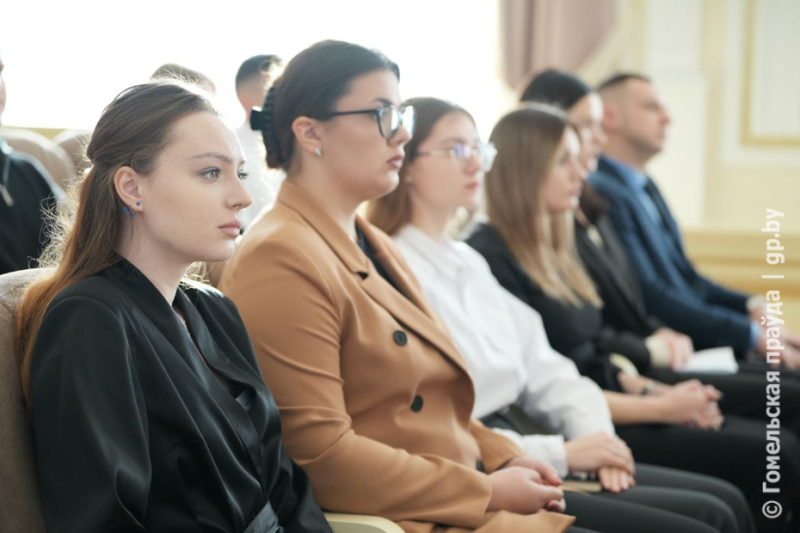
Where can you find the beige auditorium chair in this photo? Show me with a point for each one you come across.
(51, 156)
(74, 143)
(20, 504)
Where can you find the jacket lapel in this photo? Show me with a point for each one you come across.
(158, 311)
(407, 306)
(655, 240)
(615, 262)
(410, 307)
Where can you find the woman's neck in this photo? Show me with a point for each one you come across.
(335, 202)
(430, 220)
(164, 272)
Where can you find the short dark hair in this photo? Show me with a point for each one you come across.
(619, 78)
(555, 87)
(312, 83)
(256, 65)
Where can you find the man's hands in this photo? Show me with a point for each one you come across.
(680, 346)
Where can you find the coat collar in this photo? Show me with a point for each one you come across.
(410, 307)
(441, 255)
(407, 306)
(251, 417)
(151, 302)
(312, 212)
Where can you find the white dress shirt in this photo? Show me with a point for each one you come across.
(505, 346)
(262, 183)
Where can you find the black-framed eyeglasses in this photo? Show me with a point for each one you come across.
(485, 153)
(390, 118)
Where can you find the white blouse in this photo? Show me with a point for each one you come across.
(505, 346)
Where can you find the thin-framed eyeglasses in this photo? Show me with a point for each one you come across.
(484, 152)
(390, 118)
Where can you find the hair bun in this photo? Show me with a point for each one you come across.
(263, 120)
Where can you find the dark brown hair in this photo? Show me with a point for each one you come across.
(314, 80)
(133, 130)
(393, 211)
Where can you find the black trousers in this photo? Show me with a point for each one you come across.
(744, 394)
(664, 500)
(736, 454)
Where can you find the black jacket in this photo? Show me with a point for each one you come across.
(575, 331)
(135, 431)
(28, 192)
(626, 321)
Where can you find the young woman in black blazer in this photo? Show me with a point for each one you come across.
(531, 193)
(148, 408)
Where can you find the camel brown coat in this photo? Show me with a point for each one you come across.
(374, 397)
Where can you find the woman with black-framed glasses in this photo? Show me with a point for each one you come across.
(375, 398)
(390, 118)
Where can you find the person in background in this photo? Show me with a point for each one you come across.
(147, 405)
(531, 193)
(506, 348)
(27, 195)
(174, 71)
(253, 79)
(635, 120)
(628, 328)
(375, 398)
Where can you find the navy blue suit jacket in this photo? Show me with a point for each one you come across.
(673, 290)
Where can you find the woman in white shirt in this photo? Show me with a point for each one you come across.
(506, 348)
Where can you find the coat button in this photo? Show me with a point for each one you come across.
(400, 338)
(479, 466)
(416, 406)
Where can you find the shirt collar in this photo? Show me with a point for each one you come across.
(633, 178)
(442, 254)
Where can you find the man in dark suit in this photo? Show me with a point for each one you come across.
(635, 122)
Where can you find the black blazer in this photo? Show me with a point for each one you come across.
(626, 320)
(135, 431)
(575, 331)
(29, 191)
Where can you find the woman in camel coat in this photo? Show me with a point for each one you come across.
(374, 397)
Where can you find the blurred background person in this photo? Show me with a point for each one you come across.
(635, 122)
(174, 71)
(253, 79)
(27, 196)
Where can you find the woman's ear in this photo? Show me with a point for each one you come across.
(126, 183)
(308, 135)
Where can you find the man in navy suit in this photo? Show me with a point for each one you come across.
(635, 122)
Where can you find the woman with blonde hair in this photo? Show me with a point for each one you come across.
(519, 378)
(528, 241)
(148, 409)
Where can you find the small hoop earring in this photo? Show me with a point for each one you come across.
(318, 151)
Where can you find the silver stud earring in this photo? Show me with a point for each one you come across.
(318, 151)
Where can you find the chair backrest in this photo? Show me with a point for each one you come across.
(52, 157)
(20, 502)
(74, 142)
